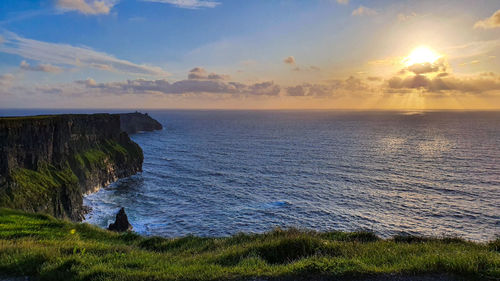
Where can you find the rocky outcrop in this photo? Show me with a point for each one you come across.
(121, 223)
(47, 163)
(137, 122)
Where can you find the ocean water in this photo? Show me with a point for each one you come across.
(217, 173)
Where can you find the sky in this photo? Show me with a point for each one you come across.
(250, 54)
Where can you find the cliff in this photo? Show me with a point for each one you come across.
(136, 122)
(47, 163)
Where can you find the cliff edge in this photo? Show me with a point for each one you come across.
(47, 163)
(136, 122)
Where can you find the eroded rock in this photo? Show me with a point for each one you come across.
(121, 223)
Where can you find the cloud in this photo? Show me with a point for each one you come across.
(199, 81)
(473, 49)
(404, 17)
(6, 80)
(304, 69)
(332, 88)
(188, 4)
(491, 22)
(436, 78)
(199, 73)
(439, 65)
(87, 7)
(447, 83)
(64, 54)
(343, 2)
(41, 67)
(289, 60)
(364, 11)
(374, 78)
(162, 86)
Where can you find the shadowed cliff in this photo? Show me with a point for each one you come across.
(47, 163)
(136, 122)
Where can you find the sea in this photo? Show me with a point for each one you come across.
(221, 172)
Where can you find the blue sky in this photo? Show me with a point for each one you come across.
(248, 53)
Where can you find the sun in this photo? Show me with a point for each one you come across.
(421, 55)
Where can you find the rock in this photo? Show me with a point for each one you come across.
(121, 223)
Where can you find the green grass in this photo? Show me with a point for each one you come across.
(33, 187)
(108, 151)
(38, 245)
(47, 187)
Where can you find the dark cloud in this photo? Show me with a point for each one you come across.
(331, 88)
(374, 78)
(440, 65)
(443, 83)
(141, 86)
(199, 73)
(297, 91)
(435, 77)
(310, 68)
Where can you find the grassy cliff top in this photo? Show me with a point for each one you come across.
(41, 246)
(51, 116)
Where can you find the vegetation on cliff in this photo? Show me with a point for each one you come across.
(52, 184)
(48, 162)
(38, 245)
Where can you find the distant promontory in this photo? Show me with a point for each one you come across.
(138, 122)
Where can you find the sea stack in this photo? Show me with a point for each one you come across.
(121, 223)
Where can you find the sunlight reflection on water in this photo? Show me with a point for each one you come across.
(221, 172)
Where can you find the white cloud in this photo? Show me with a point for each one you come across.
(41, 67)
(64, 54)
(491, 22)
(87, 7)
(364, 11)
(188, 4)
(6, 80)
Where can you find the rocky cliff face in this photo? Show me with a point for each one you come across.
(136, 122)
(47, 163)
